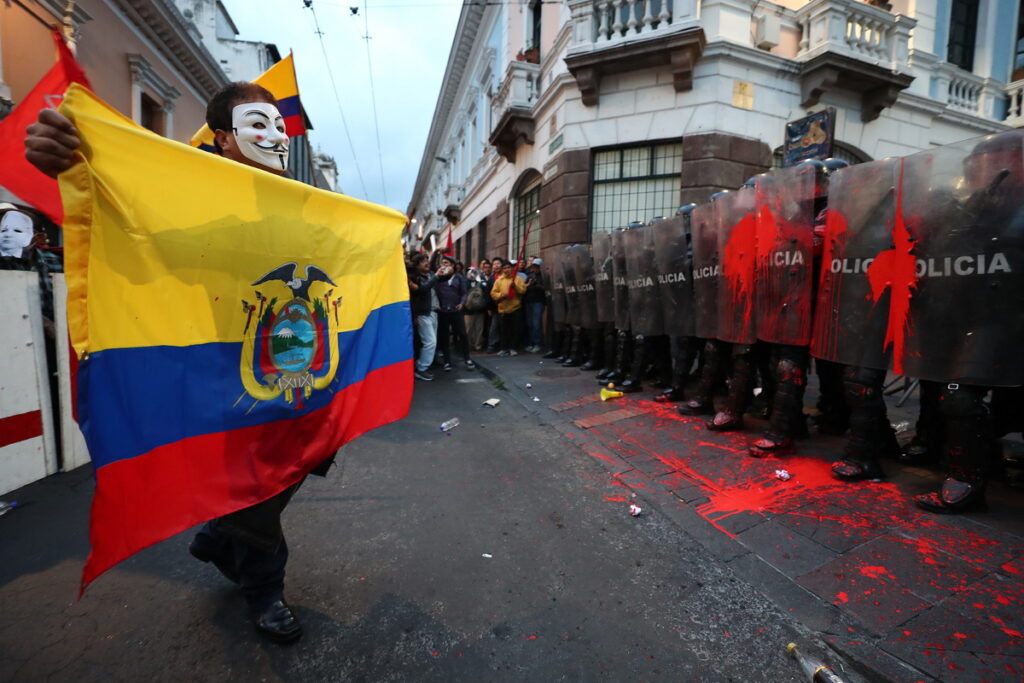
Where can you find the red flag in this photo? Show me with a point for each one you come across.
(16, 173)
(448, 249)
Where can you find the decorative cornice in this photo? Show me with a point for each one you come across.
(166, 28)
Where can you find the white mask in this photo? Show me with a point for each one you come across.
(15, 233)
(259, 132)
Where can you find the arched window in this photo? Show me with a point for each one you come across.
(526, 216)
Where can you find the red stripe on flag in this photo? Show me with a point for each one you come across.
(15, 428)
(144, 500)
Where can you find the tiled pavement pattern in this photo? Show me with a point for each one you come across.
(906, 595)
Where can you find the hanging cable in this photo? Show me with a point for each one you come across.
(373, 100)
(337, 97)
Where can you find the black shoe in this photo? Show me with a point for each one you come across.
(768, 446)
(278, 623)
(916, 453)
(447, 367)
(602, 373)
(954, 497)
(204, 552)
(630, 386)
(572, 363)
(423, 375)
(695, 407)
(589, 365)
(552, 354)
(670, 395)
(724, 422)
(851, 469)
(615, 376)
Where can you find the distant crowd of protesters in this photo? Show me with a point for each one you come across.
(494, 307)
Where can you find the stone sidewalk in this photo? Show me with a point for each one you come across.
(904, 594)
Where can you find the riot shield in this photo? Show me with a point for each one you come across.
(851, 314)
(572, 296)
(737, 247)
(962, 210)
(706, 267)
(785, 255)
(583, 264)
(674, 266)
(642, 282)
(556, 282)
(603, 288)
(619, 279)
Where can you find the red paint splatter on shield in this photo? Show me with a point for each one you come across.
(895, 269)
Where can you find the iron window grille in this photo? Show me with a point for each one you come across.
(527, 208)
(634, 184)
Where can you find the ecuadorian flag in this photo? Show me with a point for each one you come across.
(281, 82)
(234, 328)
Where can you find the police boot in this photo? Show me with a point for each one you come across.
(740, 386)
(596, 359)
(573, 357)
(675, 390)
(623, 352)
(607, 350)
(702, 403)
(634, 383)
(926, 446)
(557, 338)
(833, 414)
(787, 421)
(661, 355)
(863, 391)
(969, 447)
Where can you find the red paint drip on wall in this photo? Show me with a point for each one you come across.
(895, 269)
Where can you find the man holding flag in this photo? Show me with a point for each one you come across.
(245, 468)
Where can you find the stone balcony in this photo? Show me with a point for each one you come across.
(1015, 106)
(614, 36)
(453, 197)
(853, 46)
(512, 109)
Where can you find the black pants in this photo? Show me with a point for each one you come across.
(454, 323)
(510, 323)
(251, 545)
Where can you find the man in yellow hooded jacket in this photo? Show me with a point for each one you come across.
(508, 292)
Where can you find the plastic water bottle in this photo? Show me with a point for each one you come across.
(6, 507)
(449, 425)
(816, 670)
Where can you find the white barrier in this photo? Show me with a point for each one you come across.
(73, 450)
(27, 447)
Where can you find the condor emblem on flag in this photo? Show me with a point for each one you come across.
(294, 348)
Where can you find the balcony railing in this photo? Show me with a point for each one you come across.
(519, 90)
(969, 93)
(604, 23)
(1015, 109)
(855, 29)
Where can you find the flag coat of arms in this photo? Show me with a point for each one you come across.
(234, 328)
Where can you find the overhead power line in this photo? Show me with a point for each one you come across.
(373, 98)
(337, 98)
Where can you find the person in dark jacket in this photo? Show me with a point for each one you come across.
(452, 291)
(424, 304)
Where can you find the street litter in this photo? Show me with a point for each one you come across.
(817, 671)
(6, 507)
(608, 393)
(635, 510)
(449, 425)
(492, 402)
(487, 555)
(901, 426)
(784, 475)
(536, 400)
(529, 386)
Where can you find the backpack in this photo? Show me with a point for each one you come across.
(476, 300)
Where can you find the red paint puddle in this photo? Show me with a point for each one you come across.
(615, 499)
(842, 597)
(875, 572)
(531, 637)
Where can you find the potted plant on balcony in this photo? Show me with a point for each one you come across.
(530, 55)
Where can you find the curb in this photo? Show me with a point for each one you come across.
(825, 620)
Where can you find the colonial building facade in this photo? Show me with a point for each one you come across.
(560, 119)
